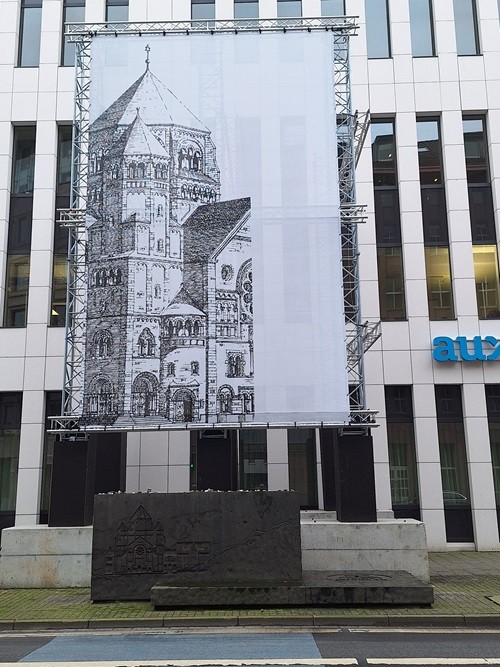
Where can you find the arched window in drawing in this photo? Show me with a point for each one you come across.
(225, 399)
(183, 159)
(170, 328)
(146, 343)
(101, 398)
(195, 368)
(136, 204)
(184, 403)
(171, 368)
(196, 328)
(245, 289)
(235, 365)
(197, 160)
(145, 395)
(157, 291)
(103, 342)
(131, 170)
(141, 170)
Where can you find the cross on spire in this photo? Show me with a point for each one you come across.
(147, 49)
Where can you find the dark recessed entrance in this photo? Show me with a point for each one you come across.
(214, 461)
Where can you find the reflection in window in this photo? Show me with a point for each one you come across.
(202, 10)
(383, 153)
(246, 9)
(487, 282)
(332, 7)
(116, 10)
(17, 284)
(421, 25)
(289, 8)
(23, 169)
(377, 29)
(53, 407)
(302, 472)
(10, 431)
(391, 283)
(429, 152)
(493, 407)
(439, 291)
(476, 161)
(73, 12)
(466, 27)
(253, 459)
(30, 32)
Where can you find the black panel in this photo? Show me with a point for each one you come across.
(20, 222)
(327, 437)
(434, 216)
(458, 522)
(387, 219)
(68, 497)
(493, 402)
(107, 451)
(448, 403)
(7, 520)
(216, 464)
(398, 403)
(10, 409)
(355, 478)
(482, 216)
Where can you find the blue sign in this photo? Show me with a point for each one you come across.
(461, 349)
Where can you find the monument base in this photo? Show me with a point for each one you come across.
(316, 589)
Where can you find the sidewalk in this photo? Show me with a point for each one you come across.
(467, 593)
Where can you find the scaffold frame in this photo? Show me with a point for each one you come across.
(350, 136)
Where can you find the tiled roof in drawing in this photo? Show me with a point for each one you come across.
(141, 141)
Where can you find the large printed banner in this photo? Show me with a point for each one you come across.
(214, 263)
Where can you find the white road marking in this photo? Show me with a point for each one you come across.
(433, 661)
(192, 663)
(436, 631)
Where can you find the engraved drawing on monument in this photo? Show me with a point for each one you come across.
(169, 311)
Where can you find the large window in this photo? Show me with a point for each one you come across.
(10, 431)
(302, 471)
(453, 458)
(387, 222)
(402, 458)
(20, 221)
(116, 10)
(482, 218)
(253, 459)
(289, 8)
(73, 12)
(202, 9)
(30, 32)
(466, 27)
(246, 9)
(377, 29)
(53, 406)
(421, 25)
(435, 221)
(332, 7)
(493, 406)
(60, 263)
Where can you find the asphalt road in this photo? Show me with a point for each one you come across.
(266, 647)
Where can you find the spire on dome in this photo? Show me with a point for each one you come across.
(147, 49)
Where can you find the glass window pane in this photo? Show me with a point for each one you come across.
(23, 170)
(70, 15)
(391, 284)
(383, 153)
(454, 474)
(466, 27)
(439, 286)
(487, 282)
(203, 10)
(429, 152)
(9, 463)
(253, 459)
(289, 8)
(64, 147)
(117, 13)
(332, 7)
(29, 41)
(59, 284)
(422, 37)
(475, 150)
(377, 29)
(302, 470)
(16, 297)
(246, 10)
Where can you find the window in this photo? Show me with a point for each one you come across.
(246, 9)
(493, 408)
(73, 12)
(30, 32)
(302, 472)
(421, 26)
(53, 407)
(482, 218)
(332, 7)
(289, 8)
(435, 221)
(20, 222)
(10, 432)
(377, 29)
(116, 10)
(453, 459)
(402, 457)
(387, 222)
(202, 9)
(60, 262)
(466, 27)
(253, 459)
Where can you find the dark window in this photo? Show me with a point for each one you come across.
(377, 29)
(73, 12)
(116, 10)
(332, 7)
(53, 407)
(422, 31)
(246, 9)
(302, 472)
(466, 27)
(30, 32)
(253, 459)
(10, 431)
(289, 8)
(23, 168)
(493, 407)
(429, 152)
(476, 151)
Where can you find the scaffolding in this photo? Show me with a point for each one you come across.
(351, 132)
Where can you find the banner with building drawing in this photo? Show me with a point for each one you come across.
(214, 290)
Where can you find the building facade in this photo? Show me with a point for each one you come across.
(429, 174)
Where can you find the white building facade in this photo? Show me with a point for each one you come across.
(429, 173)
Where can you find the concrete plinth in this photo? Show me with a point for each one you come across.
(389, 545)
(42, 557)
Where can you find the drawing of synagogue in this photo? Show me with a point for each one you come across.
(169, 270)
